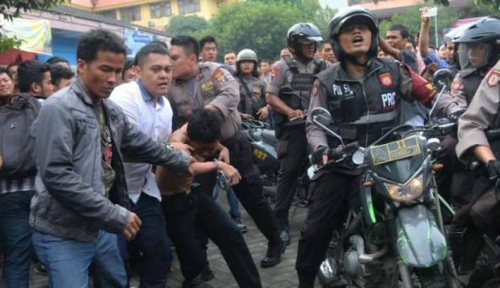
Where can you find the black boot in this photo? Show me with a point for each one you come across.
(196, 282)
(285, 236)
(273, 255)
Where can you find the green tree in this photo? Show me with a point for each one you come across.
(12, 8)
(256, 25)
(185, 25)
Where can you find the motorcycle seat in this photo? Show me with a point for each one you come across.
(269, 137)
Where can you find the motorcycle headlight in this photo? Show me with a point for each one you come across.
(408, 192)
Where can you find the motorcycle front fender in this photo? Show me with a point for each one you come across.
(420, 243)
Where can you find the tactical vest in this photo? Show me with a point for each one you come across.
(300, 84)
(366, 109)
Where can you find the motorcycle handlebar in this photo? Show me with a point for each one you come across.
(340, 151)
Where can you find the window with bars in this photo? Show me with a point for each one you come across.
(189, 6)
(130, 14)
(162, 9)
(108, 14)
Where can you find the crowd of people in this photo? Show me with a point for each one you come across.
(103, 170)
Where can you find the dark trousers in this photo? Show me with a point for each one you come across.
(446, 156)
(330, 197)
(250, 191)
(292, 148)
(194, 216)
(152, 242)
(15, 238)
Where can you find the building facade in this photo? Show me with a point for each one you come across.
(153, 14)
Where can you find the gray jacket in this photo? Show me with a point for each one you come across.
(69, 201)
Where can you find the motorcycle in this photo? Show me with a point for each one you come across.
(264, 145)
(398, 230)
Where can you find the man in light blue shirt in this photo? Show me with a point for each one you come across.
(143, 104)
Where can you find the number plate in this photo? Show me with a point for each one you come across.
(396, 150)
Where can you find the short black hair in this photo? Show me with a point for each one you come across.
(229, 52)
(204, 126)
(207, 39)
(188, 43)
(29, 72)
(150, 48)
(54, 60)
(159, 43)
(266, 61)
(57, 73)
(412, 41)
(6, 71)
(99, 40)
(402, 29)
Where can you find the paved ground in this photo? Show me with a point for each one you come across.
(281, 276)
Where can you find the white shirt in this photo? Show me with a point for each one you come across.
(154, 121)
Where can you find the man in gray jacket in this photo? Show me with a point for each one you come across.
(81, 194)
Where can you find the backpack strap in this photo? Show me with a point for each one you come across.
(292, 65)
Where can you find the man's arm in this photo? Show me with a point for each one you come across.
(138, 147)
(457, 91)
(423, 42)
(278, 80)
(477, 118)
(227, 91)
(388, 49)
(315, 135)
(54, 132)
(413, 86)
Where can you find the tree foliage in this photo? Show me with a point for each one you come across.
(261, 25)
(185, 25)
(13, 8)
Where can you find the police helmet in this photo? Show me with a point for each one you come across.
(484, 35)
(353, 15)
(246, 55)
(302, 32)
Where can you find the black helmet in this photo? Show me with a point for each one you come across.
(302, 31)
(357, 15)
(485, 31)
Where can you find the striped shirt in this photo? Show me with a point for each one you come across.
(10, 186)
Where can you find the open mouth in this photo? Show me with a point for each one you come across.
(357, 39)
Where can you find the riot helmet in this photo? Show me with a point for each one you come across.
(303, 33)
(246, 55)
(346, 17)
(479, 43)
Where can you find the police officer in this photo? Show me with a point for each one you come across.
(252, 87)
(473, 144)
(209, 86)
(288, 94)
(478, 51)
(362, 94)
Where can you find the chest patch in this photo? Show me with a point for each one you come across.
(388, 100)
(342, 89)
(385, 79)
(207, 86)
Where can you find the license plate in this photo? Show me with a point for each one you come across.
(396, 150)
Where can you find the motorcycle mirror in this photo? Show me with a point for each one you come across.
(323, 118)
(442, 78)
(358, 157)
(322, 115)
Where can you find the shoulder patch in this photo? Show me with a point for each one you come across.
(275, 72)
(315, 89)
(493, 78)
(222, 76)
(457, 85)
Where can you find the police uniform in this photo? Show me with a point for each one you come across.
(465, 85)
(362, 110)
(253, 97)
(463, 88)
(215, 86)
(482, 114)
(294, 76)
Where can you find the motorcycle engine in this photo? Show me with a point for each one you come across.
(351, 258)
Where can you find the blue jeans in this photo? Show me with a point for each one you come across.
(69, 261)
(232, 200)
(151, 242)
(15, 238)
